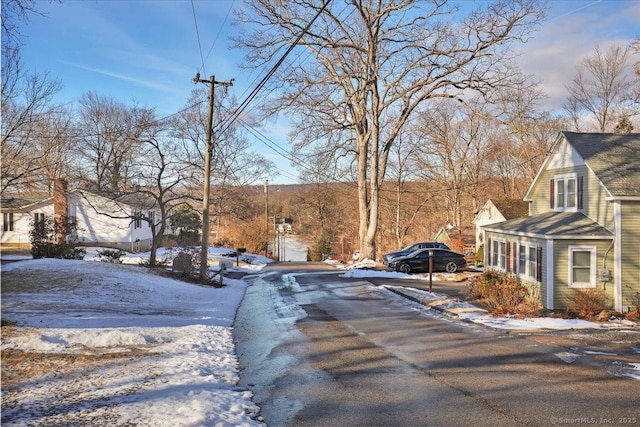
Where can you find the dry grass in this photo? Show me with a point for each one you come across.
(20, 367)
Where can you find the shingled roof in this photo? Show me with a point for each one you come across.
(512, 208)
(21, 202)
(556, 224)
(614, 158)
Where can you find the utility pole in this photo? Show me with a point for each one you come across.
(204, 254)
(266, 214)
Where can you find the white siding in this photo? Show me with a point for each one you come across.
(22, 222)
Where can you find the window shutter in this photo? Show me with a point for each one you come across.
(580, 192)
(539, 264)
(552, 193)
(514, 257)
(487, 252)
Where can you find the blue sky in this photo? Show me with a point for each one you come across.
(149, 51)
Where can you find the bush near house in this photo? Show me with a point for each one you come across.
(50, 239)
(113, 256)
(634, 309)
(588, 303)
(502, 294)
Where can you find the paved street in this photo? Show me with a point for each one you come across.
(317, 349)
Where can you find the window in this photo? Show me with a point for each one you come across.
(137, 220)
(499, 254)
(566, 192)
(560, 193)
(38, 218)
(522, 259)
(152, 217)
(494, 253)
(7, 221)
(571, 193)
(532, 262)
(503, 256)
(528, 261)
(582, 262)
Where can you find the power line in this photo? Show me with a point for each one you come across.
(195, 21)
(243, 105)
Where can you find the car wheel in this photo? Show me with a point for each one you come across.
(451, 267)
(405, 268)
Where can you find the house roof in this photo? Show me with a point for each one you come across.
(553, 224)
(512, 208)
(19, 202)
(466, 234)
(614, 158)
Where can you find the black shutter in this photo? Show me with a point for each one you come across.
(552, 193)
(580, 192)
(539, 264)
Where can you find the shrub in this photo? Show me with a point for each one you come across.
(479, 287)
(321, 247)
(502, 294)
(50, 239)
(634, 308)
(111, 255)
(508, 296)
(480, 256)
(588, 302)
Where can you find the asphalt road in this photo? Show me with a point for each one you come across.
(317, 349)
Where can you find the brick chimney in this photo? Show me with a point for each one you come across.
(60, 207)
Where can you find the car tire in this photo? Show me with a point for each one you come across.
(451, 267)
(404, 268)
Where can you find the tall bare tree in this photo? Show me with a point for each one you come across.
(603, 90)
(159, 175)
(109, 135)
(27, 105)
(369, 65)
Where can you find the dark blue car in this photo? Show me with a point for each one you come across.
(418, 261)
(386, 258)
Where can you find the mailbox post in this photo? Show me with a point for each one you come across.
(238, 252)
(430, 271)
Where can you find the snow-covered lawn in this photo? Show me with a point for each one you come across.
(140, 349)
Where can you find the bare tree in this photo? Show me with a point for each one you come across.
(109, 135)
(402, 170)
(370, 65)
(603, 90)
(159, 175)
(234, 164)
(452, 157)
(26, 104)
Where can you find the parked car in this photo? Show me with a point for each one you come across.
(418, 261)
(412, 248)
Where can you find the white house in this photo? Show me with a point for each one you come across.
(100, 221)
(497, 211)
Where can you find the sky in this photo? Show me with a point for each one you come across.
(148, 51)
(182, 369)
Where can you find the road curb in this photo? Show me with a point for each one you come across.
(451, 306)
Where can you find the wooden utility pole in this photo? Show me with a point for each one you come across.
(204, 254)
(266, 215)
